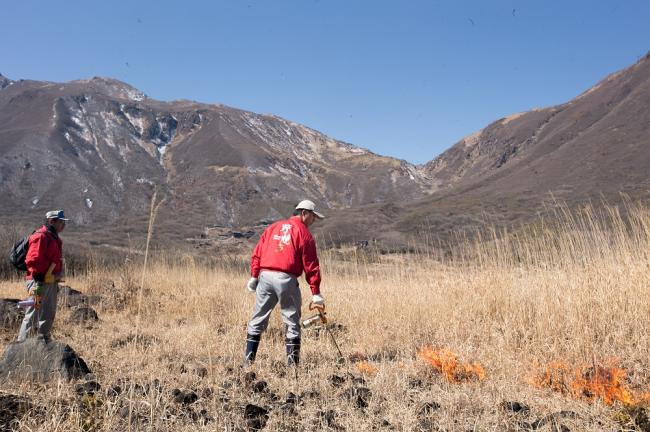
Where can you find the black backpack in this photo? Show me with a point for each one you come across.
(19, 253)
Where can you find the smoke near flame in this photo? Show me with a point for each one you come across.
(448, 364)
(607, 383)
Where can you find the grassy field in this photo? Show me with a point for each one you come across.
(555, 315)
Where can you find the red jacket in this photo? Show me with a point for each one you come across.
(287, 246)
(45, 248)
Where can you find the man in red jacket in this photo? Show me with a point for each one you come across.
(284, 251)
(44, 271)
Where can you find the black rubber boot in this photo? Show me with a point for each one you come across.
(252, 343)
(293, 351)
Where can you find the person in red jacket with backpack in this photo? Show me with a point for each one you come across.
(284, 251)
(44, 262)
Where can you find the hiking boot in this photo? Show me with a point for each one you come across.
(252, 343)
(293, 351)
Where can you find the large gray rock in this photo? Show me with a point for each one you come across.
(10, 315)
(83, 315)
(36, 360)
(70, 297)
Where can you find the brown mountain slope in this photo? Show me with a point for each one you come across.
(596, 143)
(594, 147)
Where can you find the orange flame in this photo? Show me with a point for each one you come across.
(366, 368)
(447, 363)
(593, 382)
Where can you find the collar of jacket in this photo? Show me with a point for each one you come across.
(297, 219)
(52, 231)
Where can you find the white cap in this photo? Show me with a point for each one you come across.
(56, 214)
(309, 205)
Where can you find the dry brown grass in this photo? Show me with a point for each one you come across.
(576, 291)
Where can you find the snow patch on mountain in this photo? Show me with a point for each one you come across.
(77, 116)
(114, 88)
(5, 82)
(162, 134)
(135, 95)
(144, 180)
(110, 127)
(54, 114)
(135, 118)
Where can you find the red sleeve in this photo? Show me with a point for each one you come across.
(36, 259)
(257, 255)
(311, 265)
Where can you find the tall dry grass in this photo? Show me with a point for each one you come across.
(574, 288)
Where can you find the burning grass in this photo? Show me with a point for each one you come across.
(608, 383)
(447, 363)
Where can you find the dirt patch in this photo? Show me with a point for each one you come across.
(144, 341)
(255, 416)
(12, 409)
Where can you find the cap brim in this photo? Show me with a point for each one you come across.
(319, 215)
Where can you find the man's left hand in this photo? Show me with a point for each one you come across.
(252, 284)
(318, 301)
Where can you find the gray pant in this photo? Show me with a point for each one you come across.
(43, 318)
(271, 288)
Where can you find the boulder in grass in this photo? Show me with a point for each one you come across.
(10, 315)
(83, 315)
(255, 416)
(185, 397)
(70, 297)
(35, 359)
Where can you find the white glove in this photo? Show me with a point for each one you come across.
(318, 300)
(252, 284)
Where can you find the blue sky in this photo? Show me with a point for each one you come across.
(401, 78)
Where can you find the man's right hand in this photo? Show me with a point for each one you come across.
(252, 284)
